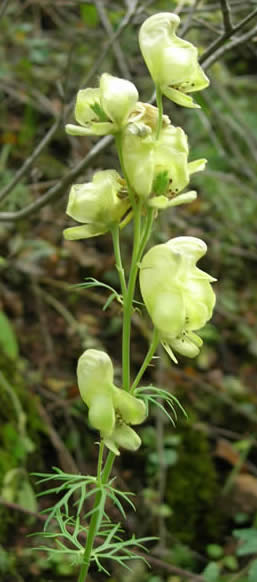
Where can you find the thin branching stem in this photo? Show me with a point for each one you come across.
(128, 303)
(227, 16)
(147, 360)
(221, 41)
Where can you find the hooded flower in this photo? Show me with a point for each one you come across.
(99, 204)
(104, 110)
(177, 295)
(172, 61)
(111, 410)
(158, 169)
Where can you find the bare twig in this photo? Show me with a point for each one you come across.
(227, 16)
(124, 23)
(227, 47)
(115, 45)
(57, 190)
(31, 159)
(225, 36)
(186, 26)
(62, 184)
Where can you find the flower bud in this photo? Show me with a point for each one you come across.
(111, 410)
(97, 204)
(104, 110)
(118, 98)
(177, 295)
(124, 436)
(132, 409)
(172, 61)
(95, 381)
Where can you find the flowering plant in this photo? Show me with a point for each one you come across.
(178, 296)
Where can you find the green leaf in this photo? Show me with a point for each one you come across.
(26, 497)
(8, 341)
(230, 562)
(211, 572)
(248, 539)
(215, 551)
(252, 574)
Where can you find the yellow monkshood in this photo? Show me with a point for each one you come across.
(111, 410)
(172, 61)
(178, 296)
(98, 204)
(104, 110)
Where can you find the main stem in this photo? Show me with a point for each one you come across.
(128, 303)
(98, 510)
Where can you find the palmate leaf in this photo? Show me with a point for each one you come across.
(66, 533)
(120, 551)
(114, 494)
(66, 541)
(72, 486)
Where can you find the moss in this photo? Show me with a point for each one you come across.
(192, 491)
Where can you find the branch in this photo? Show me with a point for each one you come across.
(95, 69)
(115, 45)
(57, 190)
(227, 47)
(187, 25)
(227, 15)
(225, 36)
(29, 161)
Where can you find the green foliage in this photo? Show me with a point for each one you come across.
(211, 572)
(192, 490)
(153, 395)
(68, 514)
(8, 340)
(248, 541)
(252, 574)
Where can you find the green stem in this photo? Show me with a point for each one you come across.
(147, 360)
(98, 513)
(147, 230)
(119, 266)
(100, 461)
(128, 303)
(118, 143)
(160, 108)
